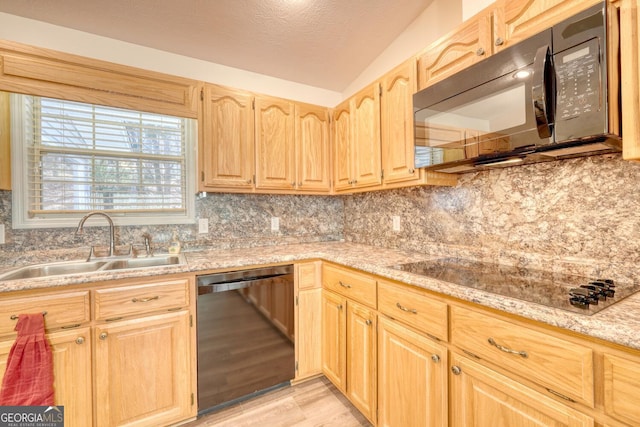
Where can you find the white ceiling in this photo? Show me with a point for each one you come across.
(321, 43)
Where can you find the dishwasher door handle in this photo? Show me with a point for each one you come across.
(239, 284)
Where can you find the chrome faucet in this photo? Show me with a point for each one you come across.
(112, 244)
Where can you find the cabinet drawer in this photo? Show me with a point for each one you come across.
(622, 388)
(413, 308)
(132, 300)
(358, 287)
(558, 365)
(64, 309)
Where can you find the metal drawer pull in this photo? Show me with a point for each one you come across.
(103, 336)
(15, 317)
(507, 349)
(344, 285)
(80, 340)
(340, 307)
(145, 299)
(408, 310)
(368, 322)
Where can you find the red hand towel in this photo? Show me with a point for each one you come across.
(28, 379)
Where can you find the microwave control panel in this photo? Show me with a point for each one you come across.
(578, 80)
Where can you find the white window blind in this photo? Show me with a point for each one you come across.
(81, 157)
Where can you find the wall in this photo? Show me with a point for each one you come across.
(41, 34)
(576, 215)
(440, 17)
(234, 221)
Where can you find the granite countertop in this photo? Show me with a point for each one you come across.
(618, 323)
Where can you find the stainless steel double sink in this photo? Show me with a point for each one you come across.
(73, 267)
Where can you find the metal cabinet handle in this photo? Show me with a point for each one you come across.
(339, 306)
(435, 358)
(145, 299)
(507, 349)
(80, 340)
(103, 336)
(480, 51)
(499, 41)
(408, 310)
(249, 181)
(368, 322)
(456, 370)
(344, 285)
(15, 316)
(412, 171)
(293, 183)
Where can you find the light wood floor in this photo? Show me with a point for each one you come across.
(312, 403)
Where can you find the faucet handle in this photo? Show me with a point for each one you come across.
(147, 244)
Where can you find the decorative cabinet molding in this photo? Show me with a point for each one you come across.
(44, 72)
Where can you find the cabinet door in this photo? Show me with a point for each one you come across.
(396, 106)
(365, 137)
(342, 147)
(412, 378)
(334, 339)
(309, 333)
(469, 44)
(226, 151)
(275, 144)
(516, 20)
(71, 373)
(482, 397)
(142, 369)
(313, 148)
(5, 142)
(622, 388)
(630, 76)
(361, 359)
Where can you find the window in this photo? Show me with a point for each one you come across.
(77, 157)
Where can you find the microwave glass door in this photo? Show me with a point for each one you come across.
(482, 122)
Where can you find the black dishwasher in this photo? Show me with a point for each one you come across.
(245, 334)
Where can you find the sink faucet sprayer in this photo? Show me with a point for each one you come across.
(112, 244)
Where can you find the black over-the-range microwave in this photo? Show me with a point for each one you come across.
(554, 95)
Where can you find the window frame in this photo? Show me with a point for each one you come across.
(20, 196)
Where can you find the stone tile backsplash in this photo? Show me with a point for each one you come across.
(234, 221)
(580, 215)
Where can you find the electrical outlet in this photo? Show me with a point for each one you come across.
(203, 225)
(1, 234)
(275, 223)
(395, 223)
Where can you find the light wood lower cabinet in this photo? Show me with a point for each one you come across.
(71, 373)
(349, 350)
(308, 323)
(483, 397)
(412, 378)
(361, 358)
(334, 338)
(622, 388)
(142, 369)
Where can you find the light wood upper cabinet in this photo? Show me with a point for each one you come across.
(515, 20)
(226, 154)
(341, 133)
(630, 78)
(313, 148)
(5, 142)
(396, 108)
(468, 44)
(483, 397)
(142, 371)
(412, 378)
(275, 143)
(365, 137)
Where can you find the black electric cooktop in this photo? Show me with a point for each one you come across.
(574, 293)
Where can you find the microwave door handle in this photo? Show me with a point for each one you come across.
(541, 91)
